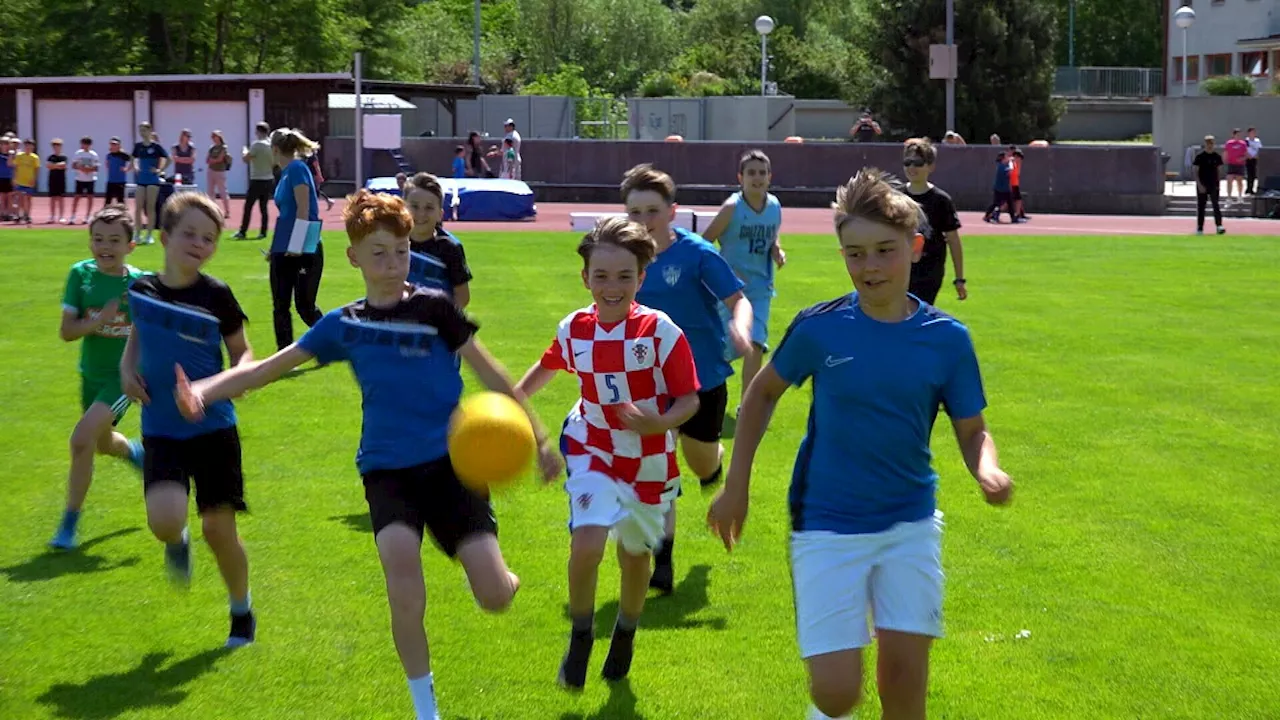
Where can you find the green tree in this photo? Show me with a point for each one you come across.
(1118, 33)
(1006, 68)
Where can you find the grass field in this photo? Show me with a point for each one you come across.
(1134, 390)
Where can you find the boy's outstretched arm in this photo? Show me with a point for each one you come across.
(979, 451)
(957, 261)
(494, 377)
(192, 397)
(728, 513)
(535, 378)
(720, 222)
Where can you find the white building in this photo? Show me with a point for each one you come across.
(1228, 37)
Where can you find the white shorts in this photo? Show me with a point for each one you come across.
(895, 576)
(597, 500)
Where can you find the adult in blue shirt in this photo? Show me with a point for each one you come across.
(297, 256)
(688, 280)
(149, 162)
(866, 534)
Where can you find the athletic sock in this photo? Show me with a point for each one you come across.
(663, 555)
(626, 624)
(70, 518)
(584, 623)
(816, 714)
(241, 607)
(424, 697)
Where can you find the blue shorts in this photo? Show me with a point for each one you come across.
(761, 299)
(26, 190)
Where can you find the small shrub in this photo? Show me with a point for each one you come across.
(1234, 85)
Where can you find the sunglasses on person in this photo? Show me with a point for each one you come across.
(913, 162)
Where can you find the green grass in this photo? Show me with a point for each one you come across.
(1134, 389)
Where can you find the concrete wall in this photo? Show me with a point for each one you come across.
(1217, 30)
(1104, 120)
(1179, 122)
(535, 116)
(726, 119)
(1124, 179)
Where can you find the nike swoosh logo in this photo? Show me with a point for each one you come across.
(580, 352)
(836, 362)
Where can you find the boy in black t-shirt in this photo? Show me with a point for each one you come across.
(918, 158)
(56, 164)
(1208, 164)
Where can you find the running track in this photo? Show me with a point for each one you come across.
(555, 217)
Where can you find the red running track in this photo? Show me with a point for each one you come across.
(555, 217)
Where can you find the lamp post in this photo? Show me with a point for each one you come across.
(1184, 17)
(764, 26)
(475, 46)
(951, 80)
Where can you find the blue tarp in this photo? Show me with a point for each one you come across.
(475, 198)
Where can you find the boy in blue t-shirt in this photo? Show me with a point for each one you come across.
(689, 281)
(403, 342)
(459, 162)
(118, 163)
(866, 533)
(436, 257)
(181, 318)
(747, 229)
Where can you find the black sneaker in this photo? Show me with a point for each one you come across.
(573, 669)
(663, 577)
(618, 663)
(238, 236)
(243, 628)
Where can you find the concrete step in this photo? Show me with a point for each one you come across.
(1183, 206)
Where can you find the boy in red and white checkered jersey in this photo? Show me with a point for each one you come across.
(638, 382)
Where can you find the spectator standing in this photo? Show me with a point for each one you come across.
(1254, 144)
(514, 136)
(1236, 151)
(1208, 165)
(866, 129)
(218, 161)
(85, 163)
(184, 160)
(261, 179)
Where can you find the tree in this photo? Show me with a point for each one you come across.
(1006, 68)
(1118, 33)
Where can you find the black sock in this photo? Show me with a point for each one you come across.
(715, 476)
(626, 624)
(584, 623)
(663, 556)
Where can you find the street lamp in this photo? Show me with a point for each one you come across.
(764, 26)
(1184, 17)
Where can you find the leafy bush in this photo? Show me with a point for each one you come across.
(1231, 85)
(660, 84)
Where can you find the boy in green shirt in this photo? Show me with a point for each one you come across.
(95, 308)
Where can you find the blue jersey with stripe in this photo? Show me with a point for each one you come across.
(148, 156)
(747, 243)
(438, 262)
(182, 326)
(689, 281)
(404, 359)
(865, 463)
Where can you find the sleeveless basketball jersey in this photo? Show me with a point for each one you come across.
(747, 243)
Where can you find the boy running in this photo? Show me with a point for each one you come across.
(918, 158)
(688, 280)
(638, 382)
(181, 318)
(95, 310)
(436, 257)
(1208, 165)
(865, 532)
(403, 343)
(85, 163)
(747, 229)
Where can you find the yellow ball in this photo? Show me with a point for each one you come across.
(490, 440)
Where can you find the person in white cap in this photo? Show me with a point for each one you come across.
(514, 135)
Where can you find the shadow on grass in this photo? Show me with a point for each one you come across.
(672, 612)
(300, 371)
(358, 522)
(146, 686)
(621, 705)
(53, 564)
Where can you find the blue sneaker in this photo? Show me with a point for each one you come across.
(136, 454)
(243, 629)
(64, 539)
(177, 558)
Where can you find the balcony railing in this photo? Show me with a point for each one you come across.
(1108, 82)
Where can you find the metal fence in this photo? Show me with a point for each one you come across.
(1108, 82)
(600, 118)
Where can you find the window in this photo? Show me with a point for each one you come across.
(1253, 64)
(1275, 62)
(1193, 68)
(1217, 65)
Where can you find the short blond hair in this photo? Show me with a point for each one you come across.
(368, 212)
(877, 197)
(179, 203)
(293, 143)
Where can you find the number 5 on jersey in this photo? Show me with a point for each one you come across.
(611, 382)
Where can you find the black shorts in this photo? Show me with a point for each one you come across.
(431, 496)
(115, 191)
(1016, 193)
(926, 284)
(707, 424)
(6, 185)
(85, 187)
(57, 189)
(211, 460)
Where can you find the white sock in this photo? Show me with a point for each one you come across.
(424, 697)
(816, 714)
